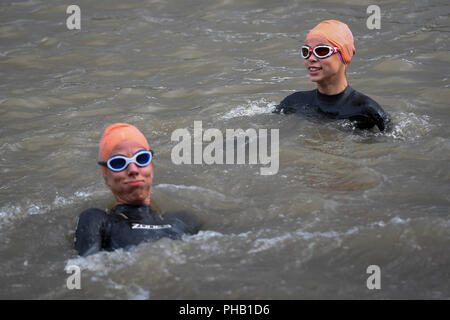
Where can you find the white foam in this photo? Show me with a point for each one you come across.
(252, 108)
(132, 290)
(268, 243)
(409, 126)
(11, 212)
(102, 262)
(398, 220)
(206, 235)
(136, 292)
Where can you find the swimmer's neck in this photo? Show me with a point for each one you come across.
(332, 88)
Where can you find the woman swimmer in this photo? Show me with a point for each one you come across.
(327, 52)
(127, 168)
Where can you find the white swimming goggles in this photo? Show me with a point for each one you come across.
(118, 163)
(321, 52)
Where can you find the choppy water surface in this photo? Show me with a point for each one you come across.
(341, 200)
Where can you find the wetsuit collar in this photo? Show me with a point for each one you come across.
(327, 98)
(132, 212)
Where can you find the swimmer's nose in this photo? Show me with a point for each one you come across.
(132, 169)
(312, 58)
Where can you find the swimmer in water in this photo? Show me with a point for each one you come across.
(127, 167)
(327, 52)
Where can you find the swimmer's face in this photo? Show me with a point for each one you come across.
(327, 70)
(133, 185)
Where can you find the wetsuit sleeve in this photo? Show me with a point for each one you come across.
(89, 232)
(286, 106)
(370, 115)
(298, 102)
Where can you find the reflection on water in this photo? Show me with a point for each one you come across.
(341, 201)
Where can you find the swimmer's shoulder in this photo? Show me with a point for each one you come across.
(90, 231)
(362, 100)
(91, 220)
(92, 214)
(296, 100)
(298, 97)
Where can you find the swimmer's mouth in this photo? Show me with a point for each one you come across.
(313, 71)
(135, 183)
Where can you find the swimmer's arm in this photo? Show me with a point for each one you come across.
(370, 115)
(88, 236)
(283, 108)
(284, 105)
(368, 120)
(300, 101)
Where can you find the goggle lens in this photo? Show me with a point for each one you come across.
(143, 159)
(322, 51)
(305, 52)
(117, 163)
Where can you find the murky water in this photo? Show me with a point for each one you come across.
(340, 202)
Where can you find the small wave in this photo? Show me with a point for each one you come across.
(265, 244)
(268, 243)
(409, 126)
(175, 187)
(405, 127)
(394, 221)
(205, 235)
(131, 290)
(103, 262)
(11, 212)
(252, 108)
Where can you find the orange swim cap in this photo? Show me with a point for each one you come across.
(115, 134)
(338, 34)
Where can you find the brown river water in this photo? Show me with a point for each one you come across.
(341, 201)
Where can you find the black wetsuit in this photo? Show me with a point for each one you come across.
(127, 226)
(349, 104)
